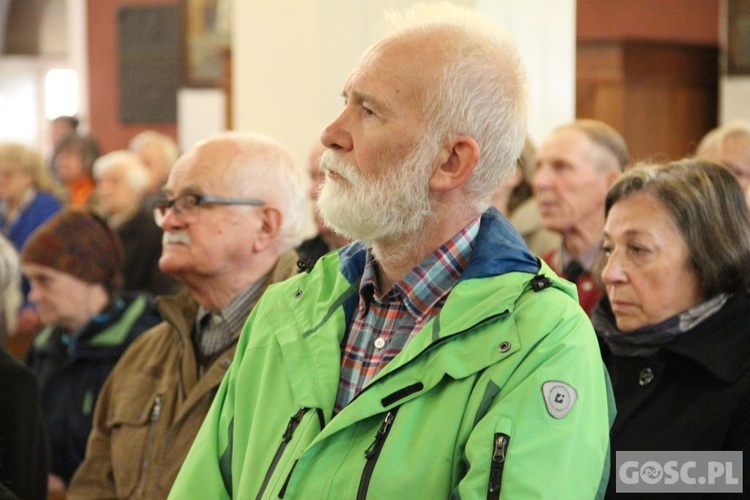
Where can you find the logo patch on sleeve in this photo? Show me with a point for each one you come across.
(559, 398)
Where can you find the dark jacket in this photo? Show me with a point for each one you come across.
(71, 372)
(141, 241)
(311, 250)
(693, 394)
(23, 447)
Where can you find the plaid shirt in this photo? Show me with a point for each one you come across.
(215, 330)
(382, 326)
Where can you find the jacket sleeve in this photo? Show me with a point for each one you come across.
(545, 433)
(94, 478)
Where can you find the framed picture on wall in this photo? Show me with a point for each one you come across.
(737, 60)
(205, 42)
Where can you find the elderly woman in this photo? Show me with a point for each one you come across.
(73, 263)
(122, 182)
(27, 193)
(28, 197)
(674, 326)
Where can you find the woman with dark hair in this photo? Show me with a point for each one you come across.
(73, 161)
(674, 326)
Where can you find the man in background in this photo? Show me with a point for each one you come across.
(729, 146)
(575, 166)
(158, 152)
(232, 211)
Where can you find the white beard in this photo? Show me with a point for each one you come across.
(395, 205)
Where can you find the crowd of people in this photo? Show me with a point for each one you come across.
(473, 314)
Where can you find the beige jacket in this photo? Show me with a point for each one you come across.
(152, 406)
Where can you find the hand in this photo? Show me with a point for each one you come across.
(28, 322)
(55, 484)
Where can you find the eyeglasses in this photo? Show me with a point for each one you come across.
(186, 206)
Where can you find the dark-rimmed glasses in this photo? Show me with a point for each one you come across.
(186, 206)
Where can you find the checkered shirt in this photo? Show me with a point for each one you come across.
(215, 330)
(382, 326)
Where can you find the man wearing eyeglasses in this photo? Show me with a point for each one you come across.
(232, 210)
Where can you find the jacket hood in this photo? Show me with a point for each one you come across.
(499, 249)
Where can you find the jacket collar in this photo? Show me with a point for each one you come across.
(499, 250)
(719, 345)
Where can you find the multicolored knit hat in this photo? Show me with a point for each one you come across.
(80, 244)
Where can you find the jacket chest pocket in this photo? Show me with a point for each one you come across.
(132, 421)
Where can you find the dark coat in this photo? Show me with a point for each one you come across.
(141, 241)
(23, 447)
(311, 250)
(71, 372)
(693, 394)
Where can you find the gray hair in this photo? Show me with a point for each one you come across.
(135, 171)
(713, 142)
(167, 147)
(614, 151)
(10, 287)
(482, 92)
(707, 205)
(267, 170)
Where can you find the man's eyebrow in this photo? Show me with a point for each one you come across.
(359, 96)
(192, 189)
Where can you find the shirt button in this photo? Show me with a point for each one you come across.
(647, 375)
(587, 286)
(379, 343)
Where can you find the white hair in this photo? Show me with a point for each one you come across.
(268, 171)
(10, 286)
(713, 142)
(136, 173)
(167, 147)
(482, 91)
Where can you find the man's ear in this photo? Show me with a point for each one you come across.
(612, 176)
(270, 225)
(456, 163)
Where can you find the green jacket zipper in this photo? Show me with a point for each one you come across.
(373, 452)
(285, 439)
(499, 451)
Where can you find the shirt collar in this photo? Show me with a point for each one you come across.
(586, 259)
(430, 280)
(236, 311)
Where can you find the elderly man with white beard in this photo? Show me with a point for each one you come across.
(232, 210)
(436, 357)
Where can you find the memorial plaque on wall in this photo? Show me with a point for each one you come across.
(149, 64)
(737, 60)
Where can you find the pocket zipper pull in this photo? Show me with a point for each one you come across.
(499, 452)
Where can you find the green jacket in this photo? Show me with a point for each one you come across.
(466, 410)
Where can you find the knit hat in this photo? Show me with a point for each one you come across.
(80, 244)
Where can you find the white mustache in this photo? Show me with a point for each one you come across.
(175, 237)
(333, 162)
